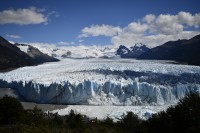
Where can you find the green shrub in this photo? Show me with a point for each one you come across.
(184, 117)
(131, 122)
(11, 110)
(75, 122)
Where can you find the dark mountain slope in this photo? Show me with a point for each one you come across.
(133, 52)
(37, 55)
(12, 57)
(123, 51)
(187, 51)
(138, 49)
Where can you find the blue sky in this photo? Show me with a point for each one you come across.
(99, 22)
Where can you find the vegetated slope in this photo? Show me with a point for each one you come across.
(12, 57)
(187, 51)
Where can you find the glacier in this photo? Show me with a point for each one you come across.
(104, 82)
(114, 112)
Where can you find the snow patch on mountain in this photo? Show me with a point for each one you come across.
(79, 52)
(132, 52)
(24, 48)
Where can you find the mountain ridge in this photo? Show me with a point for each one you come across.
(36, 54)
(11, 57)
(134, 51)
(185, 51)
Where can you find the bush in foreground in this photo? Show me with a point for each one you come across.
(11, 110)
(182, 118)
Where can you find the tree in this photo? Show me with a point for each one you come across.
(186, 114)
(184, 117)
(131, 122)
(38, 115)
(75, 122)
(11, 110)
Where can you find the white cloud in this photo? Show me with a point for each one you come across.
(151, 40)
(167, 25)
(152, 30)
(155, 30)
(197, 20)
(13, 36)
(40, 45)
(188, 19)
(99, 30)
(53, 13)
(23, 16)
(63, 43)
(149, 18)
(137, 27)
(174, 24)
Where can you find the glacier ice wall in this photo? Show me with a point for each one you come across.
(103, 82)
(92, 93)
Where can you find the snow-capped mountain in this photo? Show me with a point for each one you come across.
(34, 53)
(139, 49)
(123, 51)
(15, 55)
(133, 52)
(12, 57)
(79, 52)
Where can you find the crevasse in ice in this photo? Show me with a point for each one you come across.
(103, 82)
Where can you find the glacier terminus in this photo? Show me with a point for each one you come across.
(97, 81)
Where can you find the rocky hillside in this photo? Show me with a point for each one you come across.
(186, 51)
(133, 52)
(36, 54)
(12, 57)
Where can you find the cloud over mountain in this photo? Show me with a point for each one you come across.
(13, 36)
(151, 29)
(99, 30)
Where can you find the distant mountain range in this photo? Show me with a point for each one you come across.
(18, 55)
(133, 52)
(79, 52)
(185, 51)
(12, 56)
